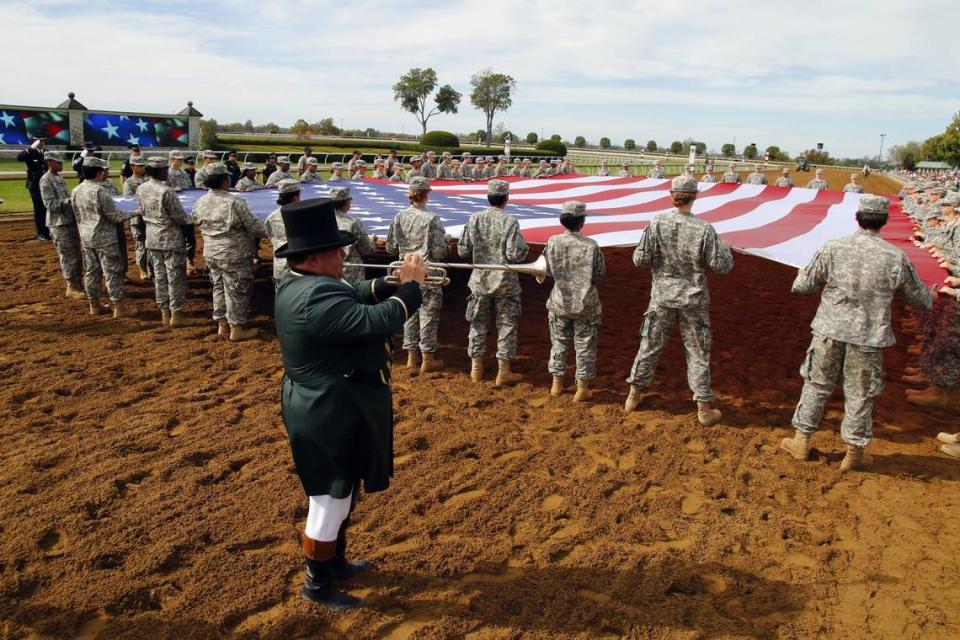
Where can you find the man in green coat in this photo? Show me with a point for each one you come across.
(335, 396)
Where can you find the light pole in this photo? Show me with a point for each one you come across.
(880, 155)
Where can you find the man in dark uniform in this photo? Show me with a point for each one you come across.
(270, 167)
(335, 396)
(88, 149)
(32, 156)
(233, 168)
(191, 169)
(125, 169)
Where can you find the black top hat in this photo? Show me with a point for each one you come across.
(311, 227)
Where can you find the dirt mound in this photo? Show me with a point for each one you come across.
(147, 489)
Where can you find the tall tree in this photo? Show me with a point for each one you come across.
(676, 147)
(532, 138)
(629, 144)
(580, 142)
(604, 143)
(728, 150)
(491, 93)
(651, 145)
(413, 90)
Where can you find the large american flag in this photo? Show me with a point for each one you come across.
(783, 224)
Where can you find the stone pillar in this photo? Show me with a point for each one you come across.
(193, 124)
(75, 112)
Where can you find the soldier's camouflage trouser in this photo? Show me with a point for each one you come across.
(862, 369)
(67, 243)
(106, 263)
(170, 278)
(122, 245)
(506, 311)
(582, 334)
(231, 288)
(658, 325)
(138, 229)
(420, 329)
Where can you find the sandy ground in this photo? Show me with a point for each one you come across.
(147, 489)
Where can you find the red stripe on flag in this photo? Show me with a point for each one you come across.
(736, 208)
(898, 231)
(801, 219)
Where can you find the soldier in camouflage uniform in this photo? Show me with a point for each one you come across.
(854, 186)
(379, 169)
(526, 171)
(708, 176)
(209, 158)
(361, 170)
(429, 168)
(417, 230)
(283, 173)
(604, 170)
(416, 171)
(573, 309)
(543, 170)
(493, 236)
(397, 173)
(137, 228)
(466, 166)
(784, 179)
(177, 178)
(860, 274)
(97, 219)
(502, 170)
(311, 174)
(336, 173)
(731, 176)
(455, 172)
(818, 182)
(62, 224)
(362, 246)
(248, 178)
(656, 172)
(758, 176)
(164, 216)
(288, 192)
(679, 247)
(230, 237)
(624, 171)
(517, 167)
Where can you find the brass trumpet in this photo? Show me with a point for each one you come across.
(437, 271)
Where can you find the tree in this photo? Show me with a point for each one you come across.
(491, 93)
(556, 137)
(728, 150)
(815, 156)
(532, 138)
(750, 151)
(946, 146)
(676, 147)
(325, 127)
(905, 155)
(413, 90)
(300, 128)
(208, 134)
(273, 128)
(629, 144)
(248, 126)
(651, 145)
(580, 142)
(701, 147)
(481, 135)
(777, 154)
(604, 143)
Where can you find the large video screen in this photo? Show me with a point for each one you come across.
(18, 126)
(120, 129)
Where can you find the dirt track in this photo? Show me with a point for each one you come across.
(147, 490)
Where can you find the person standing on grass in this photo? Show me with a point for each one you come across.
(32, 156)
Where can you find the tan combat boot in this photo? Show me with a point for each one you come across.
(798, 446)
(476, 369)
(75, 291)
(164, 317)
(948, 438)
(430, 363)
(707, 415)
(411, 359)
(177, 319)
(240, 333)
(223, 328)
(505, 376)
(857, 459)
(144, 274)
(583, 391)
(933, 397)
(122, 310)
(952, 450)
(97, 309)
(556, 389)
(633, 399)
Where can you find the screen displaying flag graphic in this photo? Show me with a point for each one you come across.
(783, 224)
(119, 130)
(18, 126)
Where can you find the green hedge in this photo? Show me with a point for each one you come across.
(440, 139)
(554, 147)
(404, 148)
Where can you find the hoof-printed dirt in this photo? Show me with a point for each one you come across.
(147, 489)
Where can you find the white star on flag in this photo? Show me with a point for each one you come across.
(1, 139)
(7, 119)
(111, 130)
(143, 125)
(133, 140)
(122, 118)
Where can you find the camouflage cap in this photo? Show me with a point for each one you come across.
(456, 162)
(340, 194)
(283, 160)
(379, 160)
(938, 191)
(53, 156)
(445, 154)
(574, 208)
(157, 162)
(93, 161)
(336, 165)
(176, 155)
(542, 161)
(466, 154)
(526, 161)
(361, 163)
(555, 161)
(217, 169)
(207, 153)
(786, 170)
(313, 162)
(498, 188)
(288, 185)
(248, 166)
(873, 204)
(419, 183)
(137, 161)
(684, 184)
(416, 159)
(952, 199)
(431, 154)
(502, 158)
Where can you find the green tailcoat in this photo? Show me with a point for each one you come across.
(335, 396)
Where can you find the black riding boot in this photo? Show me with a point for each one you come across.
(343, 569)
(319, 587)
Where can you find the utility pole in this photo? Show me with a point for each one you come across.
(880, 155)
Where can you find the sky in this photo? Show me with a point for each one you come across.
(774, 73)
